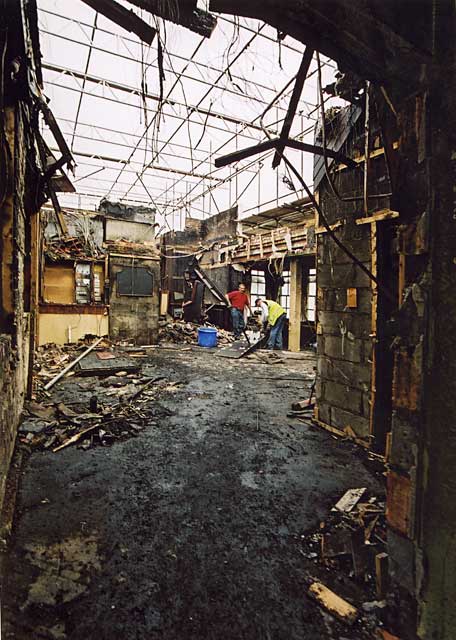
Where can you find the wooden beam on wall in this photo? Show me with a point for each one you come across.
(296, 301)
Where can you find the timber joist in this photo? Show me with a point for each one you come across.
(274, 243)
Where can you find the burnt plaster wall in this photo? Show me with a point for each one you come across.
(344, 334)
(134, 317)
(14, 336)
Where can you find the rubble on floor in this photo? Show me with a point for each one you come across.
(55, 425)
(351, 544)
(122, 403)
(180, 332)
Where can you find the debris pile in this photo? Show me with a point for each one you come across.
(56, 426)
(351, 542)
(51, 359)
(71, 248)
(179, 332)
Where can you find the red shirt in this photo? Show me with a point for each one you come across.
(238, 299)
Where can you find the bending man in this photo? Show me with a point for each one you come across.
(274, 315)
(237, 302)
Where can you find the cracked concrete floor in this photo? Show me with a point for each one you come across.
(191, 530)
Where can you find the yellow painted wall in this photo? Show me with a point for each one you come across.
(53, 327)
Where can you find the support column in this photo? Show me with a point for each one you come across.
(296, 301)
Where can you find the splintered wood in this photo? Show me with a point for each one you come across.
(333, 603)
(349, 500)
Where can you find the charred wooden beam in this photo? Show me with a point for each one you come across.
(357, 39)
(182, 12)
(125, 18)
(294, 101)
(276, 143)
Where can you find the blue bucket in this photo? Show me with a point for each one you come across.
(207, 337)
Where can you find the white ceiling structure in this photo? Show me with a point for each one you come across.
(104, 89)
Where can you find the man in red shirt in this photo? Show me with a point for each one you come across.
(237, 301)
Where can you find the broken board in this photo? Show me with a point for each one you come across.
(349, 500)
(91, 365)
(333, 603)
(238, 349)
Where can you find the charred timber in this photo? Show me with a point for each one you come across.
(276, 143)
(184, 13)
(125, 18)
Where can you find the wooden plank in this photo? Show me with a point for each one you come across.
(296, 294)
(383, 214)
(381, 574)
(349, 500)
(333, 227)
(52, 382)
(333, 603)
(401, 277)
(360, 159)
(374, 315)
(352, 298)
(338, 432)
(164, 300)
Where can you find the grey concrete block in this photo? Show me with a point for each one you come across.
(359, 324)
(355, 374)
(342, 396)
(352, 349)
(342, 419)
(342, 276)
(401, 553)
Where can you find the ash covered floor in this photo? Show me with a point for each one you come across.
(197, 528)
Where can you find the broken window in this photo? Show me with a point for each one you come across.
(285, 292)
(258, 286)
(135, 281)
(311, 295)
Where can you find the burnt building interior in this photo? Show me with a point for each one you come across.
(167, 471)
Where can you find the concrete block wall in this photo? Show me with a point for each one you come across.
(12, 396)
(344, 345)
(134, 317)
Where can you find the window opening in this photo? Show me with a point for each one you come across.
(311, 295)
(285, 292)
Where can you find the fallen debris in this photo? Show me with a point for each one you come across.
(179, 332)
(333, 603)
(349, 500)
(60, 375)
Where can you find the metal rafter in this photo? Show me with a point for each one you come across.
(85, 77)
(81, 95)
(236, 57)
(199, 65)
